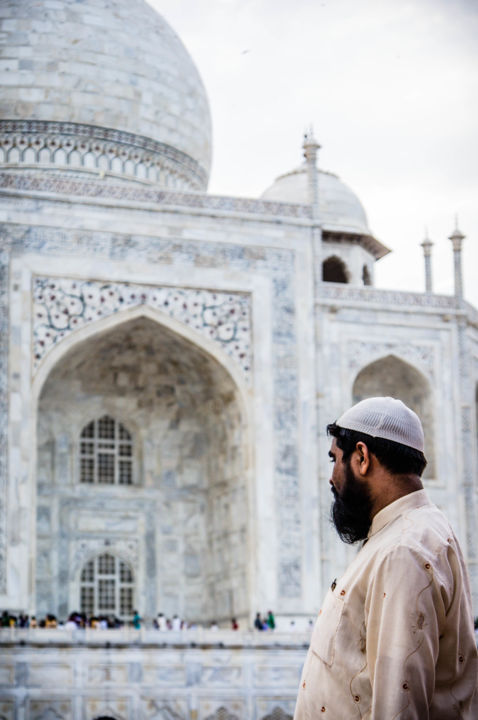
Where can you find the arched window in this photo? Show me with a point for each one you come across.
(106, 453)
(107, 587)
(334, 270)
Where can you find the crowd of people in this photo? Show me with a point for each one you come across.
(103, 622)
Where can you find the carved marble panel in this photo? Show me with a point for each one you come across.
(276, 676)
(223, 713)
(277, 713)
(46, 674)
(114, 673)
(116, 707)
(49, 710)
(275, 708)
(164, 709)
(222, 675)
(7, 710)
(164, 675)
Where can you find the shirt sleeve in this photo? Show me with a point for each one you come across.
(404, 613)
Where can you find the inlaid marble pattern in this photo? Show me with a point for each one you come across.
(64, 305)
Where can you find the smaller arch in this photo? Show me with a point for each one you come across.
(334, 270)
(394, 377)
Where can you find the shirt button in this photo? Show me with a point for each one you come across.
(428, 566)
(303, 684)
(461, 658)
(357, 698)
(405, 686)
(322, 709)
(342, 592)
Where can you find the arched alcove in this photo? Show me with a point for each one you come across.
(391, 376)
(334, 270)
(182, 522)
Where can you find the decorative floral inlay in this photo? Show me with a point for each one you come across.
(64, 305)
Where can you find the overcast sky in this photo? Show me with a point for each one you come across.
(391, 89)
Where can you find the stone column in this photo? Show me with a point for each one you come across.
(457, 239)
(427, 255)
(311, 147)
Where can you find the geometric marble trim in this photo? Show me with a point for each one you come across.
(334, 291)
(70, 145)
(63, 305)
(32, 181)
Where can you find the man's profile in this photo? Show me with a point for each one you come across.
(394, 639)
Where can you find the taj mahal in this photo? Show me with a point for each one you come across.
(169, 362)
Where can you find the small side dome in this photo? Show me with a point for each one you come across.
(340, 209)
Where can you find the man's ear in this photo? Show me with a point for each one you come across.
(363, 459)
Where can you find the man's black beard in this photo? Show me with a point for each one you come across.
(351, 511)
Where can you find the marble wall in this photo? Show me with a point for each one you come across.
(133, 675)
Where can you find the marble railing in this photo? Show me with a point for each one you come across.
(341, 292)
(151, 637)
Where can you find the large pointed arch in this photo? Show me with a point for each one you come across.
(392, 376)
(97, 328)
(224, 475)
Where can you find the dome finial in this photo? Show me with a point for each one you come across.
(310, 144)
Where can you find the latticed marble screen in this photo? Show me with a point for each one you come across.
(106, 453)
(107, 587)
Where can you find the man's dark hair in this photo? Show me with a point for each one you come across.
(397, 458)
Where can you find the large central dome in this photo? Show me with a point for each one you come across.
(108, 71)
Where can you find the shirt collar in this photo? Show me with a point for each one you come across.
(413, 500)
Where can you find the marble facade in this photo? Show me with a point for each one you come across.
(204, 327)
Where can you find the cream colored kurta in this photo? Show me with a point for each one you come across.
(394, 639)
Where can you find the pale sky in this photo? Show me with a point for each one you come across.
(391, 89)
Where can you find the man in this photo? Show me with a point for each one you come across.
(394, 639)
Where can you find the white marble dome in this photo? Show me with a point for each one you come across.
(340, 209)
(110, 66)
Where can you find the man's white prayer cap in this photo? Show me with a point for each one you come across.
(385, 417)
